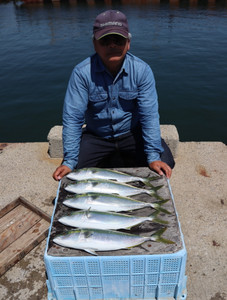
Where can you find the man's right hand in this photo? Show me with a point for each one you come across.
(61, 172)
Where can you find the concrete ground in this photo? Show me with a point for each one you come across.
(200, 192)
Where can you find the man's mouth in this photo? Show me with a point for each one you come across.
(114, 53)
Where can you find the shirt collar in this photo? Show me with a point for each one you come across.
(99, 64)
(125, 66)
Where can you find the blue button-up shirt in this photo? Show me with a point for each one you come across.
(111, 106)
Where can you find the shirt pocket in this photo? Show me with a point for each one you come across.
(128, 100)
(98, 101)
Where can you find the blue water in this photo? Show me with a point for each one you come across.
(185, 44)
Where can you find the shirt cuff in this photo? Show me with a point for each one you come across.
(69, 163)
(153, 157)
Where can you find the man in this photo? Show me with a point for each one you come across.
(113, 93)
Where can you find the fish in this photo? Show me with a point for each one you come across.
(106, 220)
(100, 173)
(92, 240)
(110, 202)
(108, 186)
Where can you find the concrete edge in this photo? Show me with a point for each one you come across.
(55, 149)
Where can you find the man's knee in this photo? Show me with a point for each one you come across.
(167, 155)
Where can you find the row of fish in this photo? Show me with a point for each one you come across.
(110, 187)
(105, 193)
(92, 240)
(110, 202)
(98, 173)
(106, 220)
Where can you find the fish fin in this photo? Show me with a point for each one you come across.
(87, 212)
(93, 197)
(87, 233)
(157, 237)
(91, 251)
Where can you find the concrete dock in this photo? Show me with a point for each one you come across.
(199, 185)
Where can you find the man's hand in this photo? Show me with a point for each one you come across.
(161, 168)
(61, 172)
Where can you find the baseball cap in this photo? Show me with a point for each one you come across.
(111, 22)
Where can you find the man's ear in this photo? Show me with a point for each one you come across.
(128, 44)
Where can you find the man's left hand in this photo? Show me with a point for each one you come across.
(161, 168)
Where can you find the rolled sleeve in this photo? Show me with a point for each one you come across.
(75, 105)
(149, 115)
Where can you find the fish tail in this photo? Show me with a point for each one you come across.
(164, 210)
(158, 207)
(162, 202)
(151, 178)
(155, 219)
(156, 188)
(154, 214)
(155, 195)
(147, 181)
(157, 237)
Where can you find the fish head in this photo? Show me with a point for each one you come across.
(85, 185)
(67, 239)
(64, 220)
(69, 188)
(71, 216)
(67, 201)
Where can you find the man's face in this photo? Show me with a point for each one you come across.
(112, 49)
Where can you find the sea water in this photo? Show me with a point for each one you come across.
(184, 42)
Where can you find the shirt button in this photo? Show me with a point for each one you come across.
(114, 98)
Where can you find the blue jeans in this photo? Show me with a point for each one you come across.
(124, 151)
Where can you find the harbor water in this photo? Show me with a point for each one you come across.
(184, 42)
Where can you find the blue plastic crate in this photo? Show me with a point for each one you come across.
(154, 277)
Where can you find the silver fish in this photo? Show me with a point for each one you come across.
(110, 202)
(92, 240)
(99, 173)
(108, 186)
(105, 220)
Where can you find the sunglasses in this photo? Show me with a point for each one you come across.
(115, 39)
